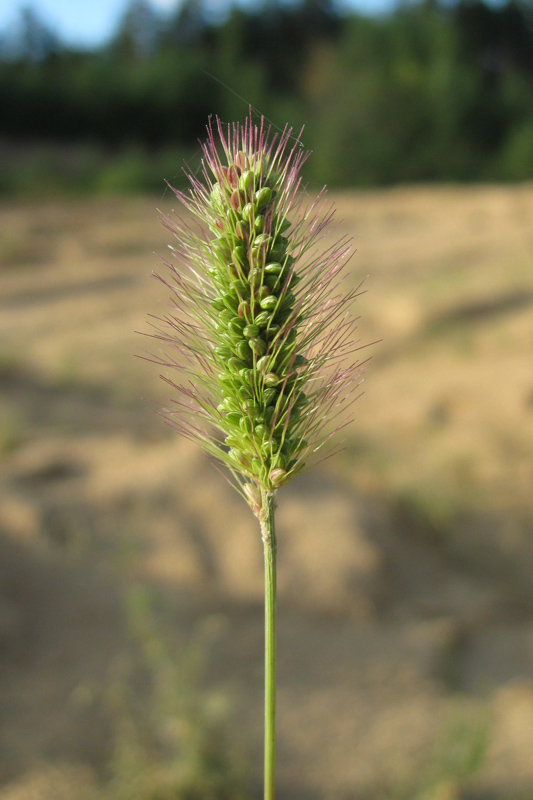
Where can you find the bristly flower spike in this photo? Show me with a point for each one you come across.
(259, 331)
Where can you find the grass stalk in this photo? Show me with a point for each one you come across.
(268, 534)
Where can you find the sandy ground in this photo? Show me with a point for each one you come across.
(405, 564)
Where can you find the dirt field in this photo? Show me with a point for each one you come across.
(131, 574)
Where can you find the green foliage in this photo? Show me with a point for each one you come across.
(448, 768)
(169, 734)
(46, 170)
(425, 93)
(517, 158)
(11, 430)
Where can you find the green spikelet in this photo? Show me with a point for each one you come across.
(253, 275)
(259, 331)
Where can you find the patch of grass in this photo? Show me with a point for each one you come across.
(21, 249)
(11, 430)
(170, 742)
(11, 364)
(424, 514)
(459, 754)
(449, 767)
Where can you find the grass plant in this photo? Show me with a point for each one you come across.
(259, 332)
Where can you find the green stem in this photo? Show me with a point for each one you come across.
(268, 532)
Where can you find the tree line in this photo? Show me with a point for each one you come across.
(425, 93)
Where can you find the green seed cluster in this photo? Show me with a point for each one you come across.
(255, 322)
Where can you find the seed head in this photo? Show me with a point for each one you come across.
(259, 332)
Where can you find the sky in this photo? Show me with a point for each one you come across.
(91, 22)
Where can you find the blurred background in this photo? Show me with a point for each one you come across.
(131, 638)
